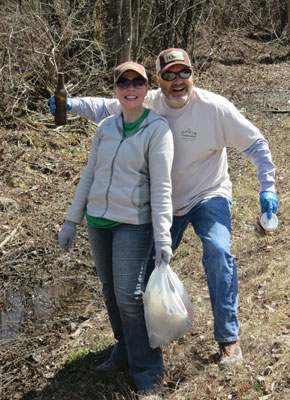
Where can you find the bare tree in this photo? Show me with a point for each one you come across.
(39, 38)
(109, 21)
(126, 30)
(142, 27)
(87, 38)
(288, 10)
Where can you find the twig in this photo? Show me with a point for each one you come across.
(280, 111)
(30, 141)
(36, 187)
(275, 110)
(2, 244)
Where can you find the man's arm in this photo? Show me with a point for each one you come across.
(94, 108)
(97, 108)
(261, 157)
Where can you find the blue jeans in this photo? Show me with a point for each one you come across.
(211, 221)
(121, 255)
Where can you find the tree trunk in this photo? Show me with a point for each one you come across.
(112, 43)
(126, 30)
(145, 30)
(288, 9)
(188, 28)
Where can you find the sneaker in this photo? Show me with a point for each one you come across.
(230, 355)
(107, 366)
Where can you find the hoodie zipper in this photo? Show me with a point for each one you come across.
(113, 162)
(111, 177)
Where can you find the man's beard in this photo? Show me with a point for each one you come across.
(177, 102)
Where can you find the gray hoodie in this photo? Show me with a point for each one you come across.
(127, 179)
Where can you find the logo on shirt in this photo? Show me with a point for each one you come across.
(188, 134)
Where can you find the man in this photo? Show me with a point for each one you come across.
(203, 125)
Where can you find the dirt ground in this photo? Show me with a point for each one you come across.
(53, 321)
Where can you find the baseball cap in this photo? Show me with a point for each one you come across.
(129, 66)
(170, 57)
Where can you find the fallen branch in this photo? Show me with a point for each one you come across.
(280, 111)
(276, 110)
(2, 244)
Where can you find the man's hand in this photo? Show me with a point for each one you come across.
(269, 203)
(163, 252)
(52, 104)
(67, 234)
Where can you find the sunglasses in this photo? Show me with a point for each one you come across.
(170, 76)
(124, 83)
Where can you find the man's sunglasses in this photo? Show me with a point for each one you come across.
(170, 76)
(124, 83)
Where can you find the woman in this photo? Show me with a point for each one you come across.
(125, 194)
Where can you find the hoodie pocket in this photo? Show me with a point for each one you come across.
(141, 194)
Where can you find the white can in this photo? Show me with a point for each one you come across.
(269, 225)
(265, 226)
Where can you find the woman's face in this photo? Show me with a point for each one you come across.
(130, 90)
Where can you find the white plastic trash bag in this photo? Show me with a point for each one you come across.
(168, 310)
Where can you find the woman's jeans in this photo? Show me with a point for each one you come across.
(211, 221)
(121, 255)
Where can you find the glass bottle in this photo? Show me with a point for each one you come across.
(60, 100)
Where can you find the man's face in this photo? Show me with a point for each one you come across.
(178, 91)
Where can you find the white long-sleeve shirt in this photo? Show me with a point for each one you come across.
(202, 130)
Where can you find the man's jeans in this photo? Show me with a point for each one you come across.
(121, 255)
(211, 221)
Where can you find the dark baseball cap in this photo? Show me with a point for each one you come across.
(170, 57)
(129, 66)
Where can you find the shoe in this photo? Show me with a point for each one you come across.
(107, 366)
(230, 355)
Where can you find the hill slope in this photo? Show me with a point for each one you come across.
(60, 324)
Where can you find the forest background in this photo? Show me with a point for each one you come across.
(53, 323)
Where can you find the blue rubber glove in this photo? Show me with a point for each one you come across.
(52, 105)
(67, 234)
(269, 203)
(162, 252)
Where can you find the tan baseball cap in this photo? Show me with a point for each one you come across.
(129, 66)
(170, 57)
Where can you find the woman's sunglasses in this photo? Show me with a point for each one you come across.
(170, 76)
(124, 83)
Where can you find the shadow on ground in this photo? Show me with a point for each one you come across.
(77, 381)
